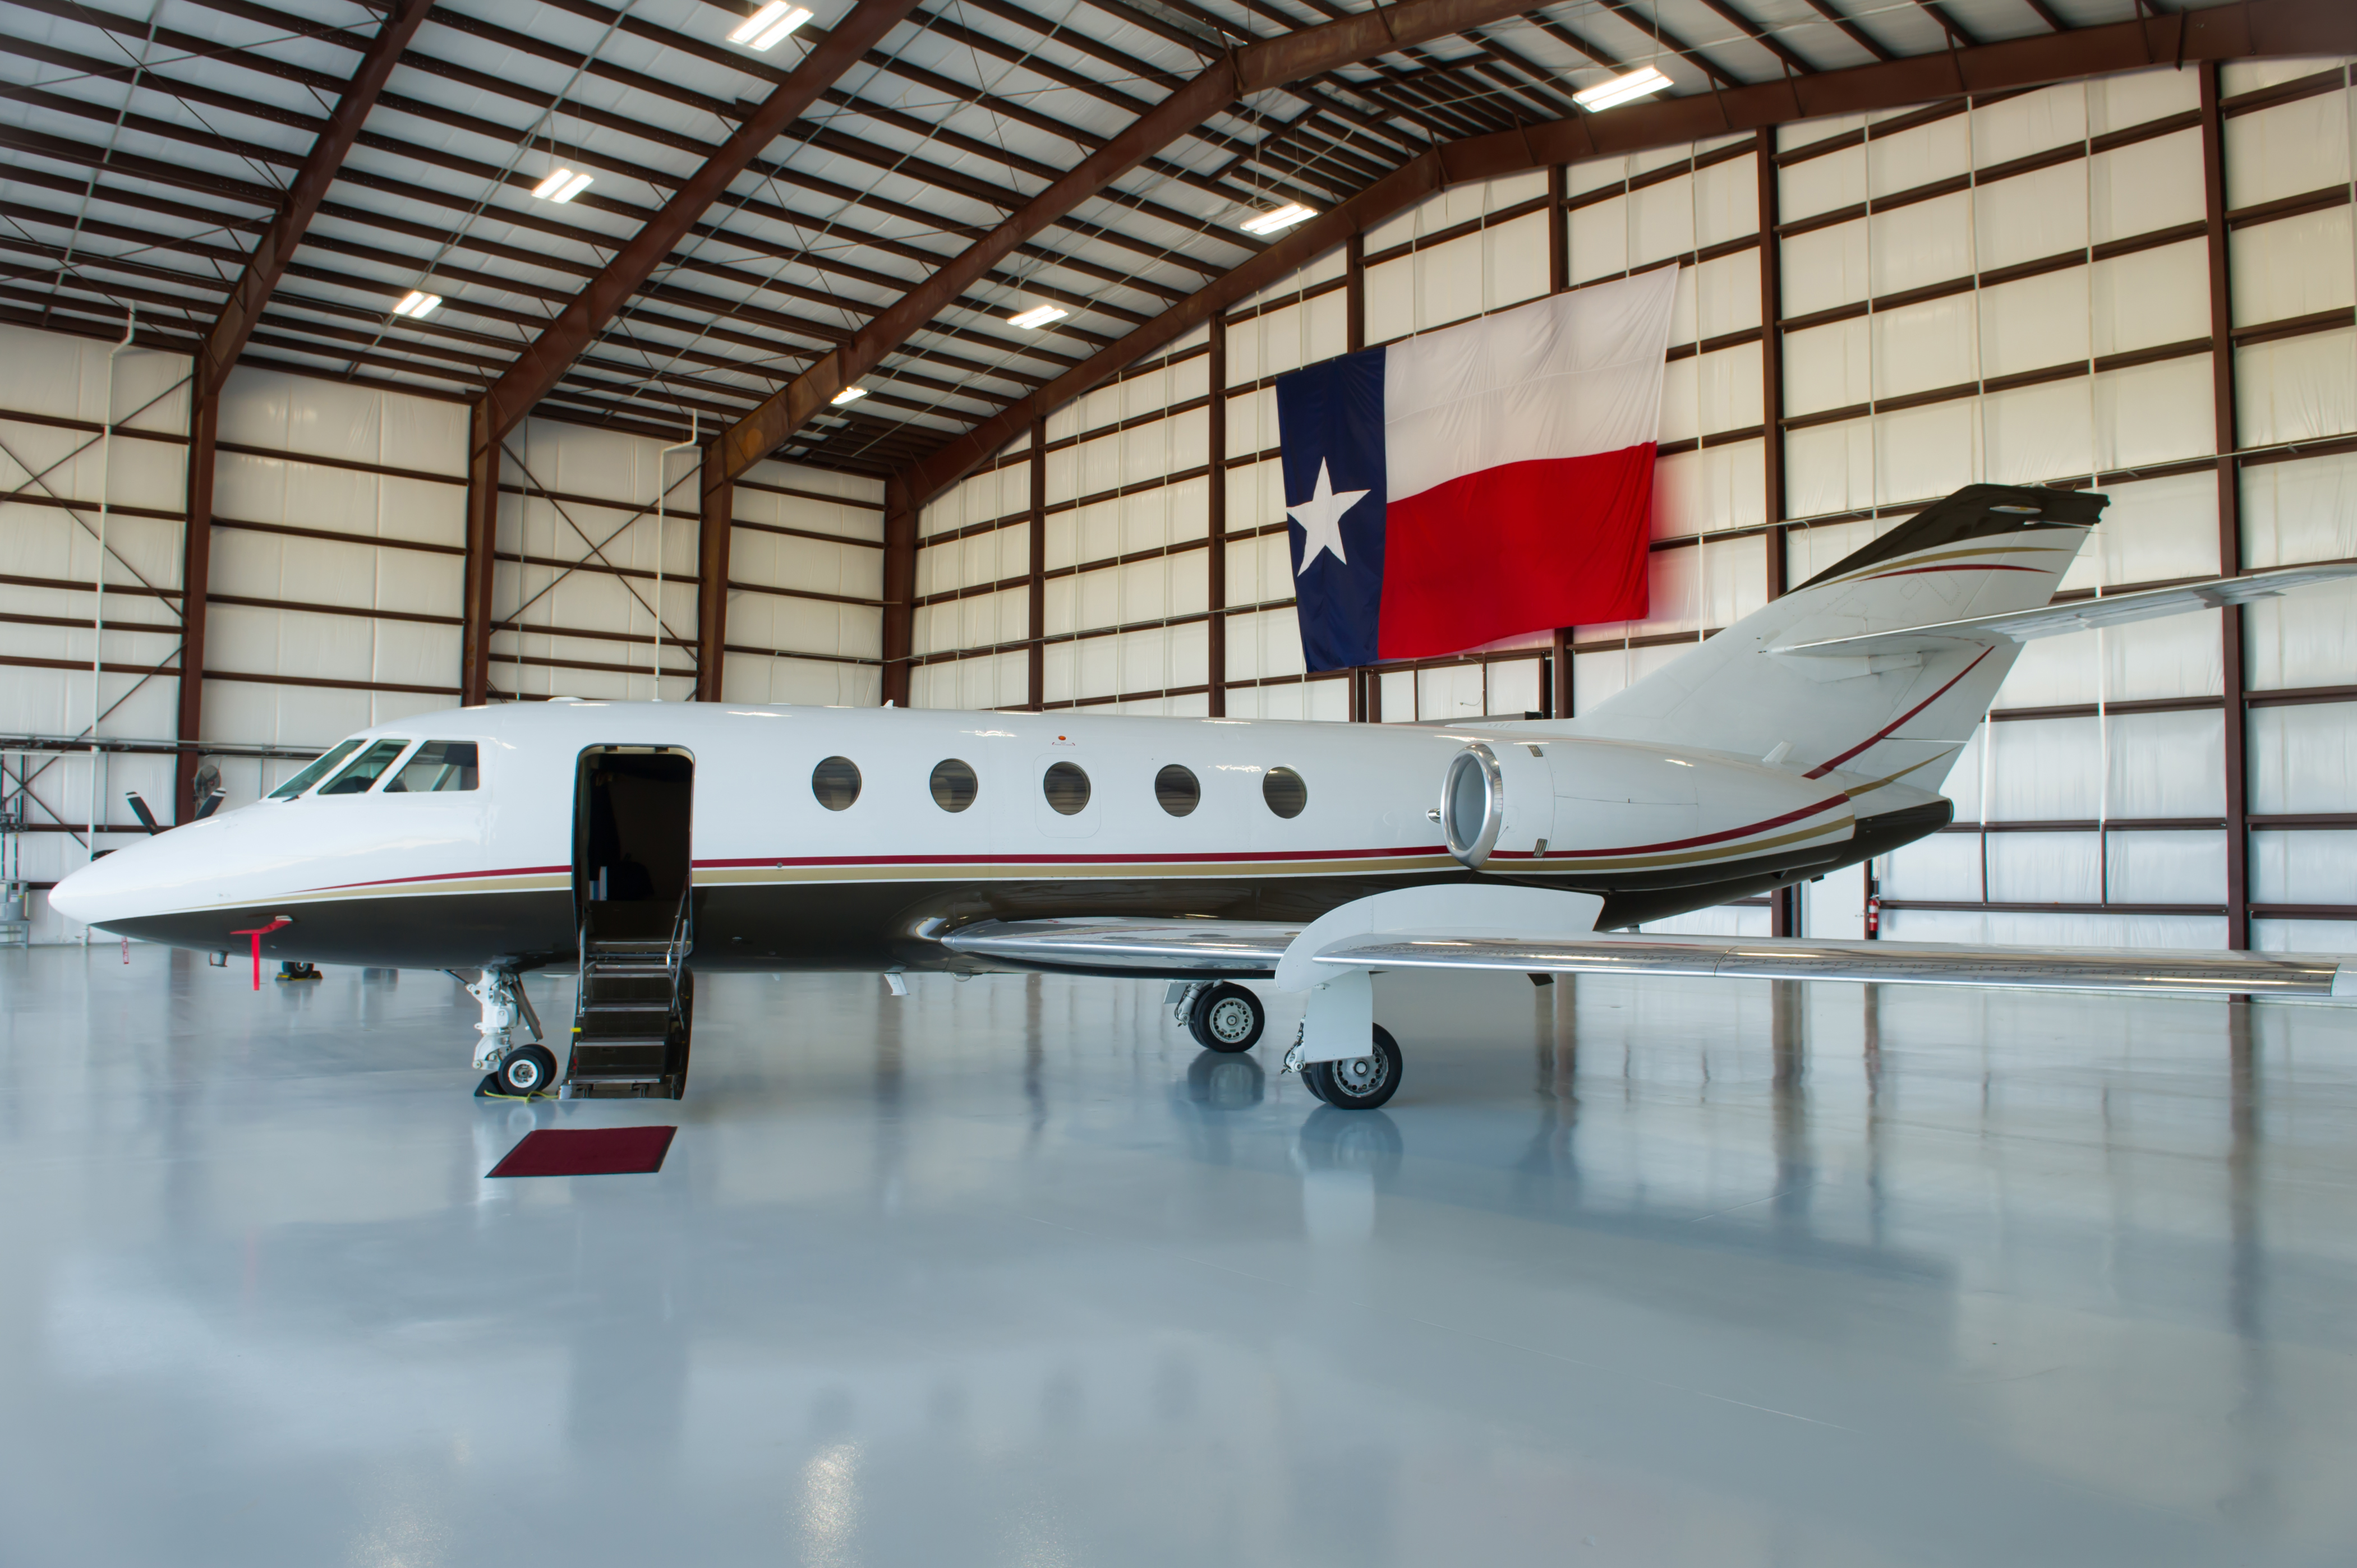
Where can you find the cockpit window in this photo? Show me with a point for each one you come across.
(356, 779)
(435, 766)
(316, 771)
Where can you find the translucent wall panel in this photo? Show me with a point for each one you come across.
(2302, 760)
(2303, 866)
(603, 560)
(1490, 269)
(2296, 389)
(2017, 929)
(1143, 661)
(986, 680)
(2288, 149)
(2303, 509)
(2304, 638)
(52, 548)
(1326, 701)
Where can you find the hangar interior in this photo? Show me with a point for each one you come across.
(306, 427)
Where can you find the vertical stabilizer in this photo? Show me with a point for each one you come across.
(1986, 550)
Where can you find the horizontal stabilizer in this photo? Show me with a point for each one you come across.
(2083, 615)
(1136, 946)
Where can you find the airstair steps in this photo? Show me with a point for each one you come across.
(631, 1012)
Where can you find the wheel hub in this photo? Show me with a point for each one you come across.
(1359, 1074)
(1230, 1021)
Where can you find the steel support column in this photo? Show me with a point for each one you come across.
(239, 314)
(1784, 903)
(1035, 596)
(1215, 566)
(2230, 506)
(713, 535)
(1559, 697)
(483, 467)
(899, 590)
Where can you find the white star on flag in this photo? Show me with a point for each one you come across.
(1321, 518)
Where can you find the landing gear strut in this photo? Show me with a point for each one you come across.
(1223, 1017)
(512, 1069)
(1354, 1083)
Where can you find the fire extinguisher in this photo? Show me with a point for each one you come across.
(1873, 904)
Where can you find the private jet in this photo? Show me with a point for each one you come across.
(643, 842)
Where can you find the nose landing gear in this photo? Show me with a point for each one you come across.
(510, 1068)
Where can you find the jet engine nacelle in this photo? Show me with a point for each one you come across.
(1517, 802)
(1497, 799)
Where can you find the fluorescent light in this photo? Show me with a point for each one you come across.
(1637, 84)
(1284, 217)
(849, 394)
(417, 304)
(764, 27)
(562, 184)
(1038, 316)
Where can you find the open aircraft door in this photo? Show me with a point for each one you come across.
(633, 879)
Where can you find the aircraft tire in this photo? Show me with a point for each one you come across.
(526, 1070)
(1360, 1085)
(1227, 1017)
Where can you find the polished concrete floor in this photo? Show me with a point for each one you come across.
(1643, 1273)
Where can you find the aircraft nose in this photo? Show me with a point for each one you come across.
(124, 885)
(94, 892)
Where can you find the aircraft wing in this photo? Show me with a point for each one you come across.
(2081, 615)
(1220, 946)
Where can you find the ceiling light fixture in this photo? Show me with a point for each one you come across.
(764, 27)
(1620, 89)
(561, 186)
(1284, 217)
(1038, 316)
(849, 394)
(417, 304)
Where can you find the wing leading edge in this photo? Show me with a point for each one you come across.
(1234, 948)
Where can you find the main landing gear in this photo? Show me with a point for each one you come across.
(1354, 1083)
(1228, 1018)
(1223, 1017)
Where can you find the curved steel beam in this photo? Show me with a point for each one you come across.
(230, 330)
(1273, 62)
(2246, 30)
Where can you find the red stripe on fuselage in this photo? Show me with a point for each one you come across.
(1824, 805)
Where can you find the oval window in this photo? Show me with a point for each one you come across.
(835, 783)
(1066, 787)
(1176, 790)
(954, 785)
(1282, 789)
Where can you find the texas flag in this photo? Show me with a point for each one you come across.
(1487, 479)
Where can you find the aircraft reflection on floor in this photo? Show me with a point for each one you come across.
(1700, 1272)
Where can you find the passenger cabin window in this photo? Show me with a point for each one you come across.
(317, 770)
(835, 783)
(1175, 790)
(364, 769)
(1066, 787)
(954, 785)
(436, 766)
(1282, 789)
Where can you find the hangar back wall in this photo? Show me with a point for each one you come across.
(2031, 289)
(2027, 290)
(338, 554)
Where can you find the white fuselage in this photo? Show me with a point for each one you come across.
(489, 875)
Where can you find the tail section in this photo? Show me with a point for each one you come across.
(1985, 550)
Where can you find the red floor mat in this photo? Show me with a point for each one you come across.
(588, 1151)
